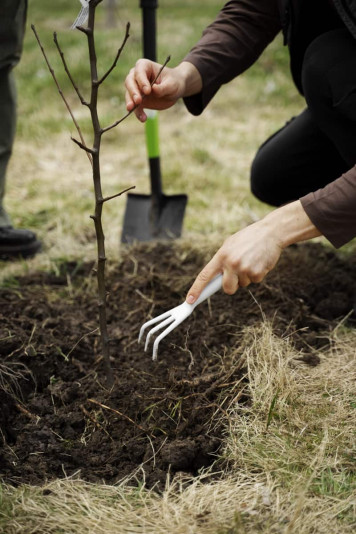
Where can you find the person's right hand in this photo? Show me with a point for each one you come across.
(162, 95)
(170, 85)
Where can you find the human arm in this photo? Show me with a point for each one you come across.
(251, 253)
(229, 45)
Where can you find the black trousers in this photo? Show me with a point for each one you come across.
(319, 145)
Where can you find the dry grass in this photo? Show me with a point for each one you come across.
(290, 466)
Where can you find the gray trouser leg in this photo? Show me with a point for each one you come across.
(12, 26)
(7, 132)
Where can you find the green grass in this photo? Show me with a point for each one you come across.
(335, 483)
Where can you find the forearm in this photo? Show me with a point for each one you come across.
(290, 224)
(192, 80)
(251, 253)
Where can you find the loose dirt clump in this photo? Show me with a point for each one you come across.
(57, 418)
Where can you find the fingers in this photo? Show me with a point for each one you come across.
(138, 85)
(138, 82)
(202, 280)
(230, 283)
(238, 270)
(244, 258)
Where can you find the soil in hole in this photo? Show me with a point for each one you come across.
(57, 418)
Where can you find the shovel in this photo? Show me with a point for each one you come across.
(154, 216)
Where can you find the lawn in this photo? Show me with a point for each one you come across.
(255, 392)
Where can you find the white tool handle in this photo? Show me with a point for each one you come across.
(209, 290)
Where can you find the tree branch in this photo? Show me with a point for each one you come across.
(135, 107)
(127, 35)
(83, 147)
(118, 122)
(83, 29)
(61, 93)
(118, 194)
(84, 102)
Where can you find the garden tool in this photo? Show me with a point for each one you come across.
(174, 317)
(154, 216)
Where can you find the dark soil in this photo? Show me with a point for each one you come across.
(56, 416)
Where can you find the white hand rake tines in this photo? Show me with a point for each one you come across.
(174, 317)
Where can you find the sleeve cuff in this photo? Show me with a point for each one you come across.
(332, 209)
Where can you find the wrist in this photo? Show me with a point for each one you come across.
(190, 79)
(290, 224)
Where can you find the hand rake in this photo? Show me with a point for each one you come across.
(174, 317)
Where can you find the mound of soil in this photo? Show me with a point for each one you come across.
(56, 416)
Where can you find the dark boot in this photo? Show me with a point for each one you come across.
(15, 244)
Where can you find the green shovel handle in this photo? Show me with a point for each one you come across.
(152, 136)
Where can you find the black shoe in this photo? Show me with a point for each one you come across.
(17, 243)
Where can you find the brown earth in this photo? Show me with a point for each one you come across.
(58, 419)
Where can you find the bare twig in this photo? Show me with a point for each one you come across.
(107, 128)
(168, 58)
(60, 90)
(83, 147)
(127, 35)
(76, 88)
(83, 29)
(135, 107)
(118, 194)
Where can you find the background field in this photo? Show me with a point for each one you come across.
(49, 186)
(301, 476)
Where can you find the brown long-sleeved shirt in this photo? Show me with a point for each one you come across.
(229, 46)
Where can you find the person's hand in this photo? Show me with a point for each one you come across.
(251, 253)
(170, 85)
(245, 257)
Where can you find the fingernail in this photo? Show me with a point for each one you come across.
(190, 299)
(135, 99)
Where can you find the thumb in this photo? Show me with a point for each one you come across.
(160, 89)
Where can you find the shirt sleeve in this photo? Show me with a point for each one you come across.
(332, 209)
(231, 44)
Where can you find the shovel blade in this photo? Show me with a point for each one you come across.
(143, 221)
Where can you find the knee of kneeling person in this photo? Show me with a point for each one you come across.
(262, 185)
